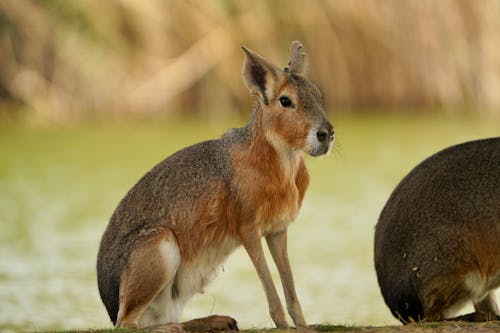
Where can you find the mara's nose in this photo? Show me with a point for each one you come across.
(325, 133)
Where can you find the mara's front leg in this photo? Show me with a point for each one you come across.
(277, 243)
(251, 240)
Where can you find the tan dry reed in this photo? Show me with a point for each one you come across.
(67, 59)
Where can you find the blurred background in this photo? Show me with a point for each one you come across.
(93, 94)
(62, 60)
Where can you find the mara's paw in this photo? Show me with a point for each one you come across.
(305, 329)
(213, 323)
(476, 317)
(282, 325)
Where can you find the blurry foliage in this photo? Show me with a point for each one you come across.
(62, 60)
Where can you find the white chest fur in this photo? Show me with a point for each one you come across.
(193, 276)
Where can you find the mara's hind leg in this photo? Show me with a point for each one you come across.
(151, 268)
(488, 305)
(486, 310)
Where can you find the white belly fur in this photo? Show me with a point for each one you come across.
(191, 278)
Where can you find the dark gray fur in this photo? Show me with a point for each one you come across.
(451, 196)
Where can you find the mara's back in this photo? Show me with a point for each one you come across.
(192, 177)
(440, 226)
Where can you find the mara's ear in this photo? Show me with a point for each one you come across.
(297, 62)
(260, 76)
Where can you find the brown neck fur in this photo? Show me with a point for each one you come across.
(271, 181)
(276, 163)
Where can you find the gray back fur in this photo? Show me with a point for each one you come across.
(148, 208)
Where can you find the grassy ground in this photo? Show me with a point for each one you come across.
(447, 327)
(443, 327)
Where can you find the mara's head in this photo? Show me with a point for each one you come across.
(291, 106)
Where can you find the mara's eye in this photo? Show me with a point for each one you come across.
(285, 102)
